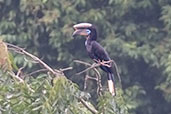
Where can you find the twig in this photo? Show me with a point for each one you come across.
(21, 50)
(37, 71)
(85, 82)
(82, 62)
(117, 72)
(91, 67)
(16, 77)
(87, 77)
(92, 110)
(91, 78)
(98, 76)
(65, 69)
(19, 71)
(20, 80)
(99, 88)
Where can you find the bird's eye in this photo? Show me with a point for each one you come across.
(88, 31)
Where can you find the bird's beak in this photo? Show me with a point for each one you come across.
(82, 32)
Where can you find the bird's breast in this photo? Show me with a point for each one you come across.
(89, 50)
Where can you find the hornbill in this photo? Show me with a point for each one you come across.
(96, 51)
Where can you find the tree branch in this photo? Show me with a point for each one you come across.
(20, 80)
(93, 110)
(21, 50)
(98, 76)
(117, 72)
(65, 69)
(37, 71)
(87, 77)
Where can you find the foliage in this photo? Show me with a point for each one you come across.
(35, 96)
(108, 105)
(135, 33)
(39, 95)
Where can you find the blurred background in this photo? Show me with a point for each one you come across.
(135, 33)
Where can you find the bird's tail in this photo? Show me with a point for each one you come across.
(111, 84)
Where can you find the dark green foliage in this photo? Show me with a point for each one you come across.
(36, 96)
(110, 105)
(136, 33)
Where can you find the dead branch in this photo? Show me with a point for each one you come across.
(91, 67)
(37, 71)
(117, 72)
(99, 84)
(19, 71)
(65, 69)
(87, 77)
(91, 78)
(98, 76)
(97, 64)
(36, 59)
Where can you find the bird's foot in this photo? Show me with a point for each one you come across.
(103, 63)
(106, 63)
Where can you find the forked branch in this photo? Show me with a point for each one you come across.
(98, 76)
(36, 59)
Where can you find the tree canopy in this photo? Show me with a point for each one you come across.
(135, 33)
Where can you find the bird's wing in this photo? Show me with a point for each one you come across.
(101, 54)
(99, 51)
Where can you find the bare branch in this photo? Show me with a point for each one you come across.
(21, 50)
(91, 67)
(87, 77)
(98, 76)
(16, 77)
(65, 69)
(19, 71)
(91, 78)
(82, 62)
(37, 71)
(117, 72)
(99, 88)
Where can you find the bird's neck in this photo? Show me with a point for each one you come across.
(88, 45)
(88, 40)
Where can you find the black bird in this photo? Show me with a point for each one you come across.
(96, 51)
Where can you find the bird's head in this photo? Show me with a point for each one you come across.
(85, 29)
